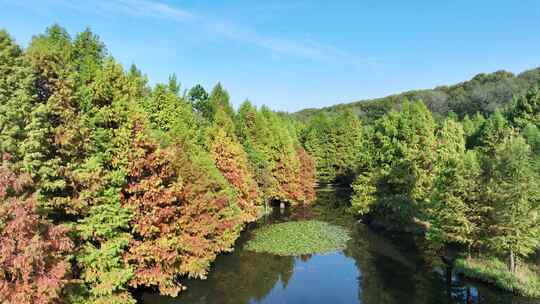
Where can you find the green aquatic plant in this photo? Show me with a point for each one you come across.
(298, 238)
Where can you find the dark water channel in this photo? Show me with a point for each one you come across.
(376, 268)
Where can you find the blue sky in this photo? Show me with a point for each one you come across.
(297, 54)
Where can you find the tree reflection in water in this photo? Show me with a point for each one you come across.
(239, 277)
(376, 268)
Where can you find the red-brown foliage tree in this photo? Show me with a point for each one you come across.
(308, 176)
(183, 216)
(232, 162)
(34, 266)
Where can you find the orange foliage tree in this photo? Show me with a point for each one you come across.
(284, 173)
(183, 216)
(307, 174)
(33, 256)
(232, 161)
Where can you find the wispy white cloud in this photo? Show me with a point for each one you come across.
(274, 44)
(133, 8)
(145, 8)
(155, 9)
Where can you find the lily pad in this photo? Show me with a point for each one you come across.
(298, 238)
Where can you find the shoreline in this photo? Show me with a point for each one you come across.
(490, 270)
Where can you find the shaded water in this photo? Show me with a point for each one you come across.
(376, 268)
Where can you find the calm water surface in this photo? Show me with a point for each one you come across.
(376, 268)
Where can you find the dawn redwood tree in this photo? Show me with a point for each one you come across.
(104, 223)
(232, 161)
(76, 149)
(173, 84)
(532, 134)
(34, 256)
(493, 132)
(16, 96)
(88, 55)
(348, 145)
(335, 142)
(272, 145)
(514, 192)
(138, 82)
(219, 99)
(525, 109)
(472, 127)
(194, 216)
(452, 208)
(364, 192)
(319, 141)
(364, 185)
(250, 126)
(77, 139)
(402, 157)
(174, 118)
(279, 145)
(418, 145)
(55, 141)
(307, 175)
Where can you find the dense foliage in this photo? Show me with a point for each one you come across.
(464, 172)
(283, 171)
(108, 184)
(35, 253)
(471, 184)
(335, 142)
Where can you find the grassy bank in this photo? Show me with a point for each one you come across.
(298, 238)
(524, 282)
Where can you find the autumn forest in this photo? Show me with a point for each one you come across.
(110, 185)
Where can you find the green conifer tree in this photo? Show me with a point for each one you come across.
(319, 140)
(349, 139)
(17, 97)
(525, 109)
(401, 156)
(451, 210)
(514, 192)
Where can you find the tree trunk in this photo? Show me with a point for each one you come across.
(512, 262)
(449, 282)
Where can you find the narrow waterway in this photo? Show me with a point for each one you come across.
(376, 268)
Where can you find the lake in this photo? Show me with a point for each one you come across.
(375, 268)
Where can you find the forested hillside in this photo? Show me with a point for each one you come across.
(108, 184)
(483, 93)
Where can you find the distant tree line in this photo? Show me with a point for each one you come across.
(483, 94)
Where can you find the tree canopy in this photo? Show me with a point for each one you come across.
(108, 184)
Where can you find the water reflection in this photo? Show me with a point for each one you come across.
(376, 268)
(240, 277)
